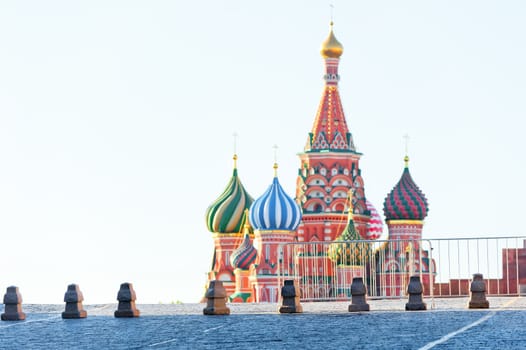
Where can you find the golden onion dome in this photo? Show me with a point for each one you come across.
(331, 47)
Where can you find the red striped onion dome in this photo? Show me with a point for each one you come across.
(406, 201)
(375, 226)
(226, 214)
(244, 255)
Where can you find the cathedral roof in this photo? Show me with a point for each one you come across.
(349, 232)
(225, 214)
(406, 201)
(330, 131)
(275, 210)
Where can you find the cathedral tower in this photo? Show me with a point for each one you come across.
(275, 217)
(241, 260)
(225, 218)
(329, 165)
(405, 208)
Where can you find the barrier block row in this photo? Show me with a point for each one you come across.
(216, 299)
(73, 299)
(290, 295)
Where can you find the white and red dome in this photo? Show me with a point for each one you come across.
(375, 226)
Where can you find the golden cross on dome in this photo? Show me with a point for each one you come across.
(332, 10)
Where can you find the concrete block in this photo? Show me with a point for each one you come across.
(415, 291)
(126, 297)
(73, 299)
(290, 294)
(358, 296)
(478, 293)
(216, 299)
(13, 305)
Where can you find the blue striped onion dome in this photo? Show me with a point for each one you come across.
(226, 214)
(275, 210)
(244, 255)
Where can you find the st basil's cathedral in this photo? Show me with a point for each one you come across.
(330, 201)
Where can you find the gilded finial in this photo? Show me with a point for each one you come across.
(331, 47)
(235, 149)
(351, 207)
(406, 158)
(246, 226)
(275, 160)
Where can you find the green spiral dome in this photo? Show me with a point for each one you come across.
(226, 213)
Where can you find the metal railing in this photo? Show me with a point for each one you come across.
(324, 270)
(502, 261)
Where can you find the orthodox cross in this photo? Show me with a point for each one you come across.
(235, 135)
(275, 160)
(406, 137)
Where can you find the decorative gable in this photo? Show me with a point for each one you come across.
(339, 142)
(320, 142)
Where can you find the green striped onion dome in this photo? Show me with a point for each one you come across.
(226, 213)
(345, 250)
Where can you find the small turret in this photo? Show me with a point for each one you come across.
(405, 201)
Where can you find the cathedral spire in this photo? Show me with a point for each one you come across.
(330, 132)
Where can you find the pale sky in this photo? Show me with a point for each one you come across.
(116, 123)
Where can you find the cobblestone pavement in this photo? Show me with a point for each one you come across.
(449, 325)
